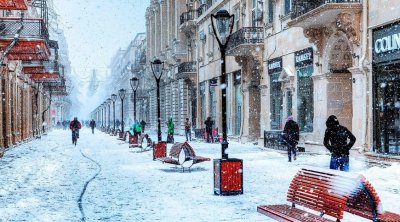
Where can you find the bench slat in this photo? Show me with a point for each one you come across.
(287, 213)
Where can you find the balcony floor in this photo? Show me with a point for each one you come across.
(27, 49)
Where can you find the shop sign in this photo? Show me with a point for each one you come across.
(386, 43)
(213, 82)
(303, 57)
(275, 65)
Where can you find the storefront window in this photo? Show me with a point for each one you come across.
(276, 102)
(238, 103)
(387, 113)
(203, 101)
(213, 99)
(305, 98)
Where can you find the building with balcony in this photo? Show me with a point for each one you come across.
(29, 59)
(172, 39)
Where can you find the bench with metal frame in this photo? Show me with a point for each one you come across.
(329, 192)
(139, 140)
(182, 154)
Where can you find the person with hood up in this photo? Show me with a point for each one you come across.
(336, 141)
(136, 128)
(291, 134)
(171, 128)
(92, 125)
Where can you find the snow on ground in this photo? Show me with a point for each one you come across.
(43, 179)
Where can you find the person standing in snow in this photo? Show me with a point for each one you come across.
(336, 141)
(187, 130)
(209, 124)
(92, 125)
(171, 129)
(291, 134)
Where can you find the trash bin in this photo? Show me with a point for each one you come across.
(160, 150)
(228, 176)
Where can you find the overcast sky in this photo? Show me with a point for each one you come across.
(95, 30)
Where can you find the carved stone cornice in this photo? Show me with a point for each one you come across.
(348, 24)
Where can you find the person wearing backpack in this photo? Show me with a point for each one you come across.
(336, 140)
(136, 128)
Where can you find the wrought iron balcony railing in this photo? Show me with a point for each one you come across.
(187, 16)
(32, 28)
(187, 67)
(246, 35)
(204, 7)
(301, 7)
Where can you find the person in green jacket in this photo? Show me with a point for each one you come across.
(171, 128)
(136, 128)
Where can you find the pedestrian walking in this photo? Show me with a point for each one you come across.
(171, 129)
(136, 128)
(92, 125)
(291, 134)
(143, 124)
(188, 132)
(336, 141)
(75, 126)
(209, 124)
(117, 123)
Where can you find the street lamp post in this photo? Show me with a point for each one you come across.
(134, 84)
(121, 94)
(224, 24)
(114, 98)
(102, 116)
(109, 115)
(157, 67)
(228, 173)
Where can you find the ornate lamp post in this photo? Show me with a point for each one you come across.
(226, 182)
(224, 22)
(157, 67)
(121, 94)
(109, 114)
(134, 84)
(114, 98)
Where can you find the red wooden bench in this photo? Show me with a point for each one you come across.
(137, 142)
(182, 154)
(329, 192)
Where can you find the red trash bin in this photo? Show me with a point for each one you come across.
(133, 140)
(228, 176)
(160, 150)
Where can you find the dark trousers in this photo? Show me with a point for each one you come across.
(339, 162)
(291, 148)
(170, 138)
(92, 130)
(137, 133)
(209, 134)
(188, 135)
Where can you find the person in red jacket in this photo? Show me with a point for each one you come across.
(75, 126)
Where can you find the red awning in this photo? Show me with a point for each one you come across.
(44, 76)
(14, 4)
(27, 50)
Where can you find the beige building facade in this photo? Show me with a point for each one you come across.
(286, 58)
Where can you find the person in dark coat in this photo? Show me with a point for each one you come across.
(188, 127)
(92, 125)
(209, 124)
(291, 134)
(143, 123)
(336, 141)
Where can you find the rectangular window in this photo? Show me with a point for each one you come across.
(237, 18)
(213, 99)
(305, 98)
(276, 102)
(288, 7)
(270, 12)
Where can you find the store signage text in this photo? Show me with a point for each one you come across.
(274, 65)
(387, 43)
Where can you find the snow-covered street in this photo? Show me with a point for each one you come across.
(43, 180)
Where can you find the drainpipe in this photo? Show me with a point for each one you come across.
(364, 69)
